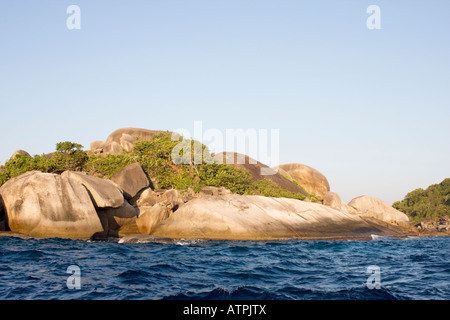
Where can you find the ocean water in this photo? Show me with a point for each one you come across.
(416, 268)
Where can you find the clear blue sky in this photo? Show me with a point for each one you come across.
(370, 109)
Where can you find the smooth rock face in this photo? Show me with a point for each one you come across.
(149, 217)
(334, 201)
(112, 148)
(127, 142)
(238, 217)
(309, 178)
(20, 152)
(367, 206)
(49, 205)
(257, 170)
(105, 193)
(131, 180)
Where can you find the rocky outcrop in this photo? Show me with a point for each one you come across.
(156, 206)
(258, 170)
(122, 140)
(131, 180)
(20, 153)
(104, 193)
(98, 146)
(371, 207)
(148, 197)
(434, 227)
(238, 217)
(309, 178)
(138, 133)
(117, 222)
(150, 217)
(49, 205)
(112, 148)
(333, 200)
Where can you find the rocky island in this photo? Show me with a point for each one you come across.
(127, 186)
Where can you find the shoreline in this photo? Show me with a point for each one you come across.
(141, 238)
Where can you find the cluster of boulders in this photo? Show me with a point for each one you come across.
(71, 205)
(434, 226)
(75, 205)
(122, 140)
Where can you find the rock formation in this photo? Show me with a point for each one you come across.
(49, 205)
(371, 207)
(76, 205)
(104, 193)
(258, 170)
(333, 200)
(131, 180)
(122, 140)
(117, 222)
(309, 178)
(150, 217)
(238, 217)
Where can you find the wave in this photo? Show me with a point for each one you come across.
(377, 237)
(225, 270)
(286, 293)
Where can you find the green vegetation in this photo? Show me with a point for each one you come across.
(432, 203)
(68, 156)
(191, 170)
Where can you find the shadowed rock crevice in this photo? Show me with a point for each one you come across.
(3, 217)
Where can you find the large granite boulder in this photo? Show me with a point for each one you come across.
(333, 200)
(149, 217)
(258, 170)
(309, 178)
(371, 207)
(237, 217)
(49, 205)
(131, 180)
(148, 197)
(104, 193)
(123, 140)
(117, 222)
(98, 146)
(112, 148)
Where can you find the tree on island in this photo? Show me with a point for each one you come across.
(432, 203)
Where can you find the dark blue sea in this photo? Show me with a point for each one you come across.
(415, 268)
